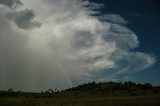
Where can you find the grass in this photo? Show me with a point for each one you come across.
(146, 100)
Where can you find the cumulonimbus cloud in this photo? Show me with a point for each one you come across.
(64, 45)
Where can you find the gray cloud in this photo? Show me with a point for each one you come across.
(71, 46)
(23, 19)
(11, 3)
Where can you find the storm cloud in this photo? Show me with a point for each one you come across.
(66, 45)
(24, 19)
(11, 3)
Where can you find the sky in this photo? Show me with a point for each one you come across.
(62, 43)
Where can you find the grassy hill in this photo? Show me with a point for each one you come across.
(111, 89)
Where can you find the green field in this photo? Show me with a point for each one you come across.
(149, 100)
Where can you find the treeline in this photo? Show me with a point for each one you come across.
(44, 94)
(90, 89)
(128, 85)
